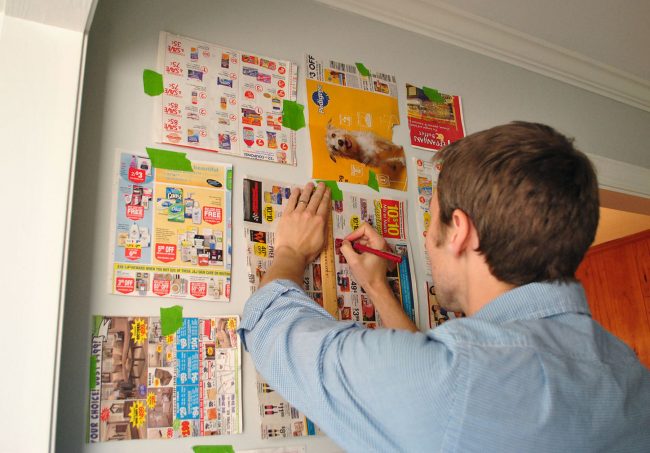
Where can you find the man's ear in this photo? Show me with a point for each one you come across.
(462, 234)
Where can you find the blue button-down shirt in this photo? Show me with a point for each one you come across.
(530, 372)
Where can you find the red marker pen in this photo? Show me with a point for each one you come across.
(382, 254)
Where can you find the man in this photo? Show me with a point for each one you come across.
(527, 370)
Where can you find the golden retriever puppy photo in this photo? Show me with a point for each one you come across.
(365, 147)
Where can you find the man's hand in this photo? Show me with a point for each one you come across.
(368, 270)
(300, 236)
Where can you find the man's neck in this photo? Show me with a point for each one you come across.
(482, 288)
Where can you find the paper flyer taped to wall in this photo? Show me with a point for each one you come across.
(328, 280)
(147, 385)
(171, 230)
(224, 100)
(433, 124)
(351, 120)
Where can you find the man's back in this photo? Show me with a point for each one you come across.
(531, 371)
(544, 378)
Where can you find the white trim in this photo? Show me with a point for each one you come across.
(70, 14)
(622, 177)
(454, 26)
(66, 241)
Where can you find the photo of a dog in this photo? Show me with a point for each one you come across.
(365, 147)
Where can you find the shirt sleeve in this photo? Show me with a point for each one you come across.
(348, 379)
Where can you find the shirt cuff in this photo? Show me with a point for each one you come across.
(260, 300)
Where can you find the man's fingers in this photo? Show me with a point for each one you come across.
(316, 198)
(305, 195)
(362, 231)
(293, 199)
(348, 251)
(367, 235)
(325, 206)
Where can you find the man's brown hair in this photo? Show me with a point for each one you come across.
(531, 195)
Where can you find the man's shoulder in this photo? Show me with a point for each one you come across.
(570, 335)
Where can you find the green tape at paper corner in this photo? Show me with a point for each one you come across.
(93, 372)
(293, 115)
(372, 181)
(433, 95)
(337, 194)
(213, 449)
(153, 82)
(97, 322)
(171, 319)
(362, 69)
(229, 179)
(170, 160)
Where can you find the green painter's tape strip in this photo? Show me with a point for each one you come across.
(372, 181)
(171, 319)
(170, 160)
(153, 82)
(213, 449)
(337, 194)
(293, 115)
(97, 321)
(362, 69)
(93, 371)
(433, 95)
(229, 179)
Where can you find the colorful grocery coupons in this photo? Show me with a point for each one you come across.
(172, 230)
(224, 100)
(388, 217)
(328, 280)
(352, 112)
(264, 204)
(146, 385)
(435, 119)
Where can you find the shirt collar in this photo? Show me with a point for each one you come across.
(535, 301)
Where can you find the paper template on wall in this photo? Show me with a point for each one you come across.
(172, 230)
(264, 204)
(328, 281)
(427, 174)
(149, 386)
(224, 100)
(388, 217)
(433, 123)
(351, 119)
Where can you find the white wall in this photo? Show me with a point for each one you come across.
(39, 81)
(38, 91)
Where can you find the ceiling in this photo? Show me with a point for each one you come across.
(585, 43)
(614, 33)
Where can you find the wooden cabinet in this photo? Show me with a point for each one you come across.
(616, 277)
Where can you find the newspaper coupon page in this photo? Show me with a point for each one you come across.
(351, 119)
(388, 217)
(224, 100)
(328, 280)
(171, 230)
(264, 203)
(145, 385)
(427, 174)
(433, 123)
